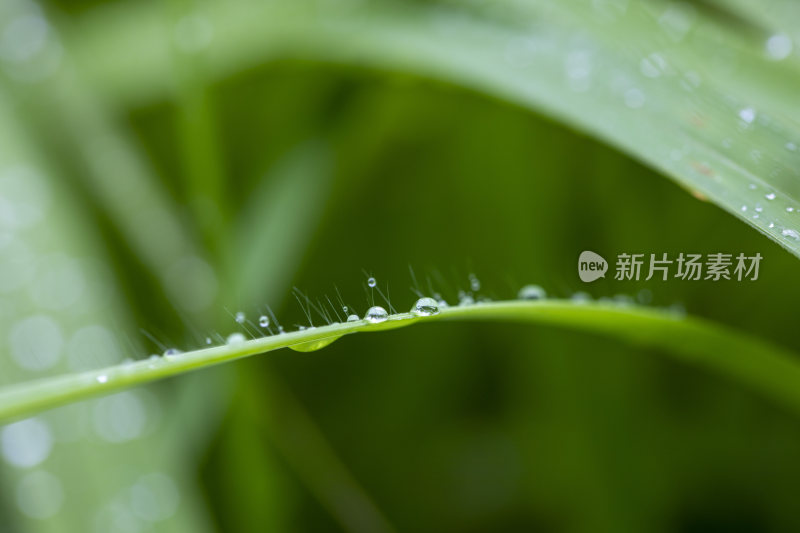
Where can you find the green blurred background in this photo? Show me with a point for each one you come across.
(171, 212)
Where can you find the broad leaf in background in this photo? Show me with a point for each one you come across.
(673, 85)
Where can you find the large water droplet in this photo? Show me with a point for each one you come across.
(353, 318)
(263, 321)
(531, 292)
(314, 345)
(371, 282)
(376, 314)
(235, 338)
(792, 234)
(426, 307)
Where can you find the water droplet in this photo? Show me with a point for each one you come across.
(208, 340)
(531, 292)
(581, 297)
(353, 318)
(791, 146)
(171, 351)
(312, 346)
(792, 234)
(426, 307)
(443, 303)
(770, 196)
(790, 209)
(102, 379)
(474, 283)
(465, 298)
(778, 47)
(771, 225)
(235, 338)
(240, 317)
(345, 309)
(758, 208)
(748, 114)
(376, 314)
(371, 282)
(744, 208)
(263, 321)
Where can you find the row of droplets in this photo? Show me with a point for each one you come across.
(424, 306)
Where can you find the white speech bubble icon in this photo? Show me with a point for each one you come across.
(591, 266)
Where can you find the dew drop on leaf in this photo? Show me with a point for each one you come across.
(235, 338)
(770, 196)
(376, 314)
(792, 234)
(240, 317)
(426, 307)
(371, 282)
(263, 321)
(313, 345)
(171, 351)
(353, 318)
(531, 292)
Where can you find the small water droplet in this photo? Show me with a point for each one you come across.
(770, 196)
(771, 225)
(474, 283)
(345, 309)
(376, 314)
(102, 379)
(263, 321)
(791, 146)
(758, 208)
(240, 317)
(171, 351)
(465, 298)
(790, 209)
(531, 292)
(353, 318)
(426, 307)
(371, 282)
(744, 208)
(581, 297)
(235, 338)
(208, 340)
(748, 114)
(792, 234)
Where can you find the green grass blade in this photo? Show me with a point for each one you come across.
(763, 367)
